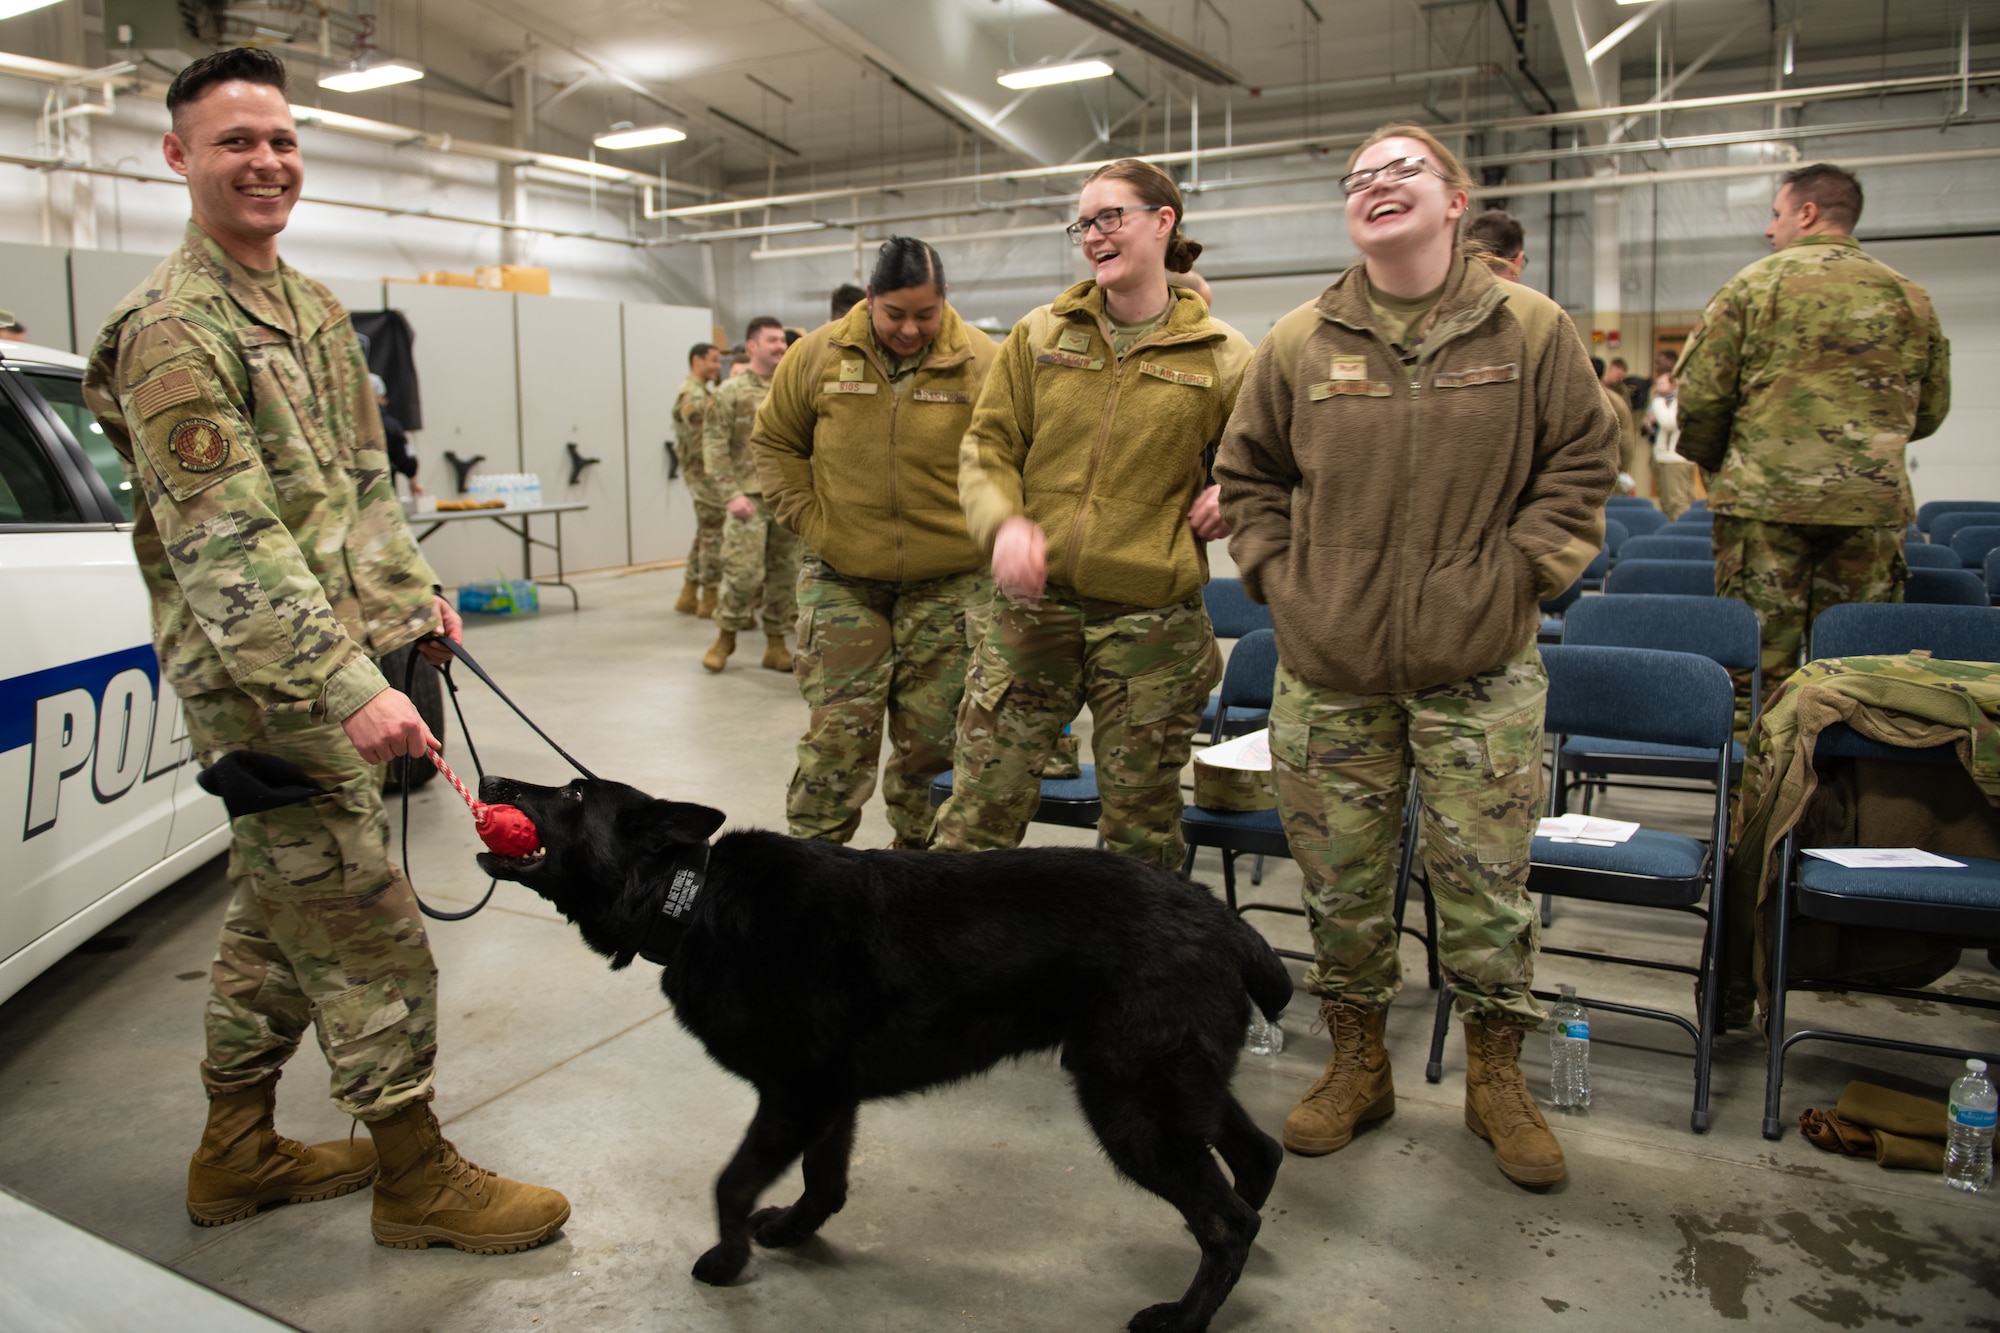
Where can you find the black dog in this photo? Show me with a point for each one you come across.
(829, 977)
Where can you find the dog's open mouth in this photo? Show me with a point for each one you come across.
(512, 867)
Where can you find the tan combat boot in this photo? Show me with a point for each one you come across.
(709, 597)
(243, 1162)
(1355, 1088)
(1500, 1109)
(689, 599)
(717, 657)
(428, 1194)
(777, 657)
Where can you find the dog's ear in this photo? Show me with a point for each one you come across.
(665, 825)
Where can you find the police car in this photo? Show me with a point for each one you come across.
(97, 783)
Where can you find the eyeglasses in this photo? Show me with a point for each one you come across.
(1110, 220)
(1354, 182)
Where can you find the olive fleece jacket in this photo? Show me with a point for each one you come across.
(1106, 453)
(866, 470)
(1402, 519)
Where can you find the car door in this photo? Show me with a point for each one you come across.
(88, 760)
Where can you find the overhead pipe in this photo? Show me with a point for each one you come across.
(1347, 139)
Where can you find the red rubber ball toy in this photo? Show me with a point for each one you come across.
(507, 830)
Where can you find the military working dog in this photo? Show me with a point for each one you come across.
(828, 977)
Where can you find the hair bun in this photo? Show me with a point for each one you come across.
(1182, 252)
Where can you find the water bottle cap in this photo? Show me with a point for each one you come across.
(1568, 992)
(1976, 1066)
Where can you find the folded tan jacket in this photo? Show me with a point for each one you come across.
(1901, 1132)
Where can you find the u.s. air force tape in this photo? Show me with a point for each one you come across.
(199, 444)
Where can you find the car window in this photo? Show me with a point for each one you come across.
(65, 396)
(31, 491)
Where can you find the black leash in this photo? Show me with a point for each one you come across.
(458, 650)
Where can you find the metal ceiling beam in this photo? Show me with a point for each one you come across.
(1578, 25)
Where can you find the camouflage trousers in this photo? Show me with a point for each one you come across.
(1676, 481)
(1341, 762)
(1145, 674)
(322, 931)
(870, 652)
(704, 566)
(1788, 573)
(760, 567)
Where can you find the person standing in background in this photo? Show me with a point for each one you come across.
(1801, 389)
(760, 559)
(691, 406)
(858, 446)
(1671, 468)
(844, 298)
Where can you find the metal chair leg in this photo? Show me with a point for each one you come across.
(1257, 869)
(1548, 909)
(1229, 878)
(1774, 1072)
(1440, 1025)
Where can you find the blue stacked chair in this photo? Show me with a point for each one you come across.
(1929, 512)
(1972, 544)
(1962, 901)
(1662, 547)
(1233, 615)
(1946, 526)
(1683, 578)
(1922, 555)
(1945, 587)
(1649, 698)
(1640, 519)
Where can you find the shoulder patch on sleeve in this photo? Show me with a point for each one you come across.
(163, 391)
(193, 446)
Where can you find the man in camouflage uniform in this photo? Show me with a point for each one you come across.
(760, 559)
(278, 564)
(1800, 391)
(704, 566)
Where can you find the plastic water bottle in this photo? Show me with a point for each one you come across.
(1968, 1152)
(1569, 1052)
(1265, 1037)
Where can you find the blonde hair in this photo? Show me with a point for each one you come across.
(1456, 177)
(1156, 187)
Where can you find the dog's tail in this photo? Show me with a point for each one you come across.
(1264, 975)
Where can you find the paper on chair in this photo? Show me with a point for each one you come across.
(1586, 829)
(1885, 858)
(1251, 752)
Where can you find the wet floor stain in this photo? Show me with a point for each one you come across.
(1862, 1264)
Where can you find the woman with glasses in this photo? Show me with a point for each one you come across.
(858, 448)
(1418, 456)
(1085, 475)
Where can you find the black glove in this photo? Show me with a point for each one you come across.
(250, 783)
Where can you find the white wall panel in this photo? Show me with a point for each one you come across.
(465, 365)
(1963, 277)
(98, 281)
(657, 339)
(354, 293)
(573, 390)
(35, 286)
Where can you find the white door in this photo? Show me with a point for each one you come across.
(573, 393)
(657, 341)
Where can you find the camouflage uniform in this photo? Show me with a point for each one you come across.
(1801, 389)
(1145, 673)
(1340, 763)
(278, 561)
(760, 560)
(869, 648)
(704, 567)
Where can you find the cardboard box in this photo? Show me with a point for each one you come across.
(514, 278)
(442, 279)
(1236, 775)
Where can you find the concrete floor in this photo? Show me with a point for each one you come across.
(982, 1206)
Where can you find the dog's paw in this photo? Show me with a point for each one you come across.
(1171, 1317)
(721, 1266)
(778, 1228)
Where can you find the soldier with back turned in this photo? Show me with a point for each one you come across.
(279, 564)
(1810, 373)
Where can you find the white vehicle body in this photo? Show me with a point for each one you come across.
(97, 789)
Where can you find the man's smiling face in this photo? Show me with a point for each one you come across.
(239, 149)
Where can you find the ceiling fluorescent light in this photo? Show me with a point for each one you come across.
(1635, 2)
(1042, 76)
(1131, 28)
(365, 78)
(9, 8)
(643, 137)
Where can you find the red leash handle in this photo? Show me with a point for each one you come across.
(503, 828)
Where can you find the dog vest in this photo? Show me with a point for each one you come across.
(684, 881)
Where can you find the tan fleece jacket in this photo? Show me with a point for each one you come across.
(864, 470)
(1401, 518)
(1105, 453)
